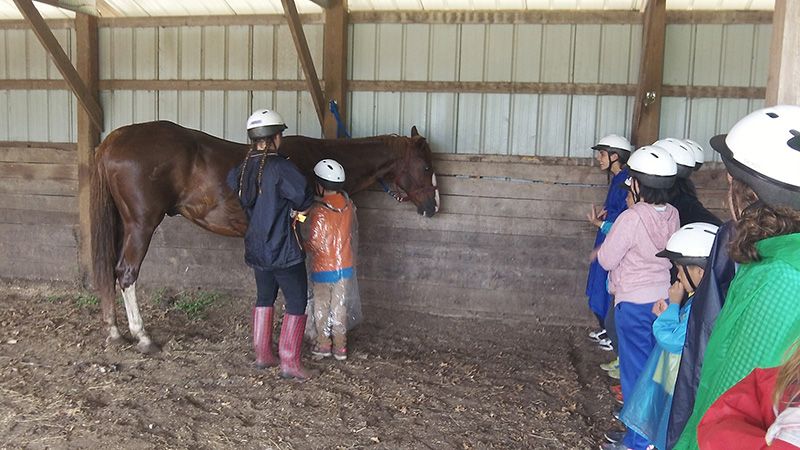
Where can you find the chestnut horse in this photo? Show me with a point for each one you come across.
(148, 170)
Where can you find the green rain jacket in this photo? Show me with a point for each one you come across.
(757, 326)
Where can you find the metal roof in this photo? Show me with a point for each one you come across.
(155, 8)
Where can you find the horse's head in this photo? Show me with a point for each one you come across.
(413, 173)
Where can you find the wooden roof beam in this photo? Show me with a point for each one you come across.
(80, 6)
(647, 106)
(301, 44)
(62, 62)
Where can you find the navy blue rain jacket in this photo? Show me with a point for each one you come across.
(706, 305)
(270, 243)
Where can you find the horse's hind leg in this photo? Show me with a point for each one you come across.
(135, 244)
(110, 319)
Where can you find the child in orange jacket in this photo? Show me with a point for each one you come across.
(331, 246)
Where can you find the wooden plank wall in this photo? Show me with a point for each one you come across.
(38, 211)
(511, 241)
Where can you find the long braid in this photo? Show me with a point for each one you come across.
(244, 166)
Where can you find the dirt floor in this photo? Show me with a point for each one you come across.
(412, 381)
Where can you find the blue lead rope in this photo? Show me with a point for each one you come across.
(341, 131)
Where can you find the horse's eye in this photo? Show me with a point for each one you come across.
(427, 168)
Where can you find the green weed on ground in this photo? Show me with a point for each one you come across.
(86, 300)
(81, 299)
(196, 303)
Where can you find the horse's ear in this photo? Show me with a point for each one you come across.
(414, 131)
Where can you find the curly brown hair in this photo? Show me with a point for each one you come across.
(760, 221)
(740, 196)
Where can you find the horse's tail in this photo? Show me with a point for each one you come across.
(105, 224)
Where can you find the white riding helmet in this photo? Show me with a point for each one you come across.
(653, 167)
(681, 153)
(763, 150)
(615, 144)
(264, 123)
(330, 174)
(699, 154)
(691, 244)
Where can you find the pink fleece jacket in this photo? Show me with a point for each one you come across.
(636, 274)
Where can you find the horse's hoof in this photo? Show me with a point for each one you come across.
(148, 348)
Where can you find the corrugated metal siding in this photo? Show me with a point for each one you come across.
(494, 123)
(712, 55)
(489, 123)
(546, 124)
(258, 52)
(35, 115)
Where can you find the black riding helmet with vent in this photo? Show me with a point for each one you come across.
(763, 151)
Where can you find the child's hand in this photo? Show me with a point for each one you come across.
(593, 254)
(676, 293)
(596, 217)
(659, 307)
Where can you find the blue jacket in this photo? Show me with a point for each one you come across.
(669, 328)
(596, 289)
(708, 301)
(270, 242)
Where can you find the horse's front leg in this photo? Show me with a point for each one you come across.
(135, 322)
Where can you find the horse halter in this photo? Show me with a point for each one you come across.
(400, 194)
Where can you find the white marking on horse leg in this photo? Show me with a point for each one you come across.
(435, 192)
(135, 323)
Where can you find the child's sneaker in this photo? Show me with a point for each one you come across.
(605, 345)
(614, 436)
(340, 353)
(595, 336)
(321, 351)
(610, 365)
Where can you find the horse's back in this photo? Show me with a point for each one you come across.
(161, 135)
(166, 168)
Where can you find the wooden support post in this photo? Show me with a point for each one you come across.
(783, 82)
(334, 62)
(61, 60)
(647, 109)
(88, 137)
(300, 43)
